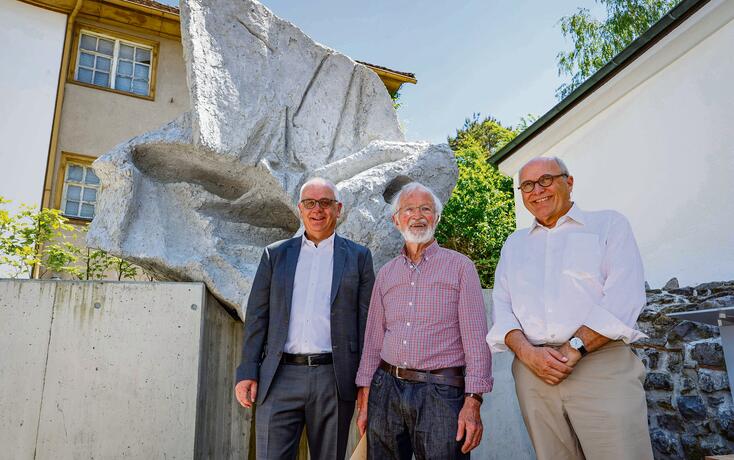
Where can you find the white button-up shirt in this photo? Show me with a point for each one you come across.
(585, 271)
(309, 329)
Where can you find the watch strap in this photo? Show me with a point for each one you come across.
(476, 396)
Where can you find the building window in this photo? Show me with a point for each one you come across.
(114, 63)
(80, 191)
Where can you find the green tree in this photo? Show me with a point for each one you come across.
(32, 237)
(480, 214)
(396, 104)
(596, 42)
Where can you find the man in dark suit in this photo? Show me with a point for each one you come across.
(304, 329)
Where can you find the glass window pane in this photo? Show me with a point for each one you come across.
(84, 75)
(105, 46)
(87, 210)
(141, 72)
(140, 87)
(91, 177)
(72, 208)
(87, 60)
(73, 192)
(126, 51)
(124, 68)
(101, 79)
(75, 173)
(142, 55)
(88, 43)
(123, 83)
(103, 63)
(90, 194)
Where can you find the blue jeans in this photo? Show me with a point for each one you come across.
(411, 418)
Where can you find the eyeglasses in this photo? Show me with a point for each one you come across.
(545, 181)
(410, 210)
(324, 203)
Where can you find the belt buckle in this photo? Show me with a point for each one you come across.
(397, 373)
(309, 362)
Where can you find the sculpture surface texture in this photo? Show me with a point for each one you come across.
(199, 198)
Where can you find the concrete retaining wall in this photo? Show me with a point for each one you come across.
(110, 370)
(146, 370)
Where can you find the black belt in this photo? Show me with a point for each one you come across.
(452, 376)
(307, 360)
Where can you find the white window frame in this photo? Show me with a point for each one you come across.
(113, 65)
(82, 185)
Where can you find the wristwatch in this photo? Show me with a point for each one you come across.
(476, 396)
(578, 344)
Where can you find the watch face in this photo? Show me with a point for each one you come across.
(576, 343)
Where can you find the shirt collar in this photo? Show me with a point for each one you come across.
(429, 252)
(328, 242)
(574, 214)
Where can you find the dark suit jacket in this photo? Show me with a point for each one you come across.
(269, 308)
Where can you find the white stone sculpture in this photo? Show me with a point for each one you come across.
(199, 198)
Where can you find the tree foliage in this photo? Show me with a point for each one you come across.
(596, 42)
(480, 214)
(43, 238)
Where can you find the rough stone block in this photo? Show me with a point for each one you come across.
(692, 407)
(671, 284)
(708, 354)
(712, 380)
(665, 444)
(670, 422)
(725, 416)
(692, 447)
(199, 198)
(658, 381)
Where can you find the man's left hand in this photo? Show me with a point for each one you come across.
(572, 354)
(470, 425)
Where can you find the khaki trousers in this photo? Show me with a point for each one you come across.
(599, 412)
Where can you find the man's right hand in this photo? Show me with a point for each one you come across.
(547, 363)
(246, 392)
(363, 394)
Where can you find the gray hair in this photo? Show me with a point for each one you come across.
(562, 165)
(412, 187)
(319, 181)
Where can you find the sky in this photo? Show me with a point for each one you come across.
(494, 57)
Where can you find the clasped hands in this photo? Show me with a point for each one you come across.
(551, 364)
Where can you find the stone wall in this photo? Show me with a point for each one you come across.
(690, 407)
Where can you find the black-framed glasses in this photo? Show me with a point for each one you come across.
(545, 181)
(310, 203)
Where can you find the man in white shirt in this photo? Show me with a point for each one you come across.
(567, 294)
(304, 329)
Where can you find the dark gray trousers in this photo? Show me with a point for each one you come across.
(302, 396)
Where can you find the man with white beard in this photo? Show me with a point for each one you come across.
(425, 363)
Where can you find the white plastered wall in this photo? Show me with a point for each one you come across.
(33, 39)
(662, 152)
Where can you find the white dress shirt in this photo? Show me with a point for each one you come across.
(586, 270)
(309, 329)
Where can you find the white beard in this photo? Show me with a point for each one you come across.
(418, 237)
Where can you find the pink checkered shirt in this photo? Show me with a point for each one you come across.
(428, 316)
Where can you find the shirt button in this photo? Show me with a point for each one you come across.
(412, 283)
(405, 364)
(410, 303)
(407, 324)
(405, 342)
